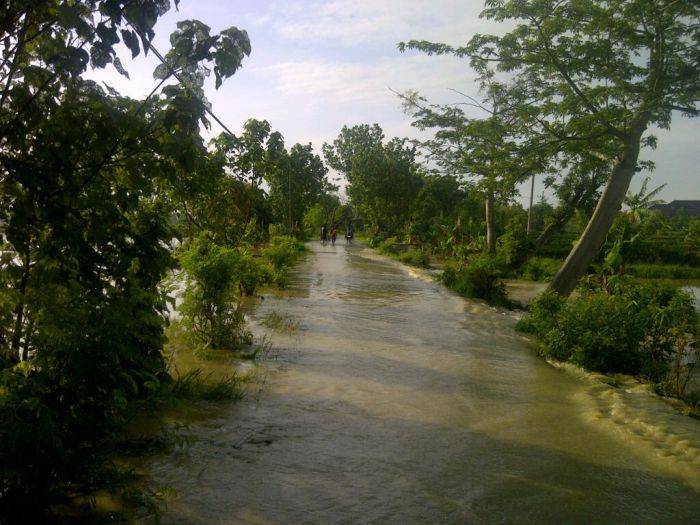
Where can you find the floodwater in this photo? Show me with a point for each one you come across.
(393, 401)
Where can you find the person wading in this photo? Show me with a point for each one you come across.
(349, 234)
(324, 234)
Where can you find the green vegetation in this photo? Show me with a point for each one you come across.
(406, 254)
(282, 252)
(102, 197)
(96, 189)
(577, 102)
(377, 172)
(217, 280)
(478, 276)
(643, 330)
(539, 269)
(280, 323)
(664, 271)
(195, 385)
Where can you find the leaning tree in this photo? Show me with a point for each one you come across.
(601, 75)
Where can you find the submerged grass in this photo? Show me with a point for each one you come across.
(195, 385)
(280, 323)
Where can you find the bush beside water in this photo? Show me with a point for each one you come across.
(217, 281)
(644, 330)
(281, 253)
(411, 256)
(479, 277)
(539, 269)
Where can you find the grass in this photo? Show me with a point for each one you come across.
(664, 271)
(410, 256)
(543, 269)
(280, 323)
(413, 257)
(539, 269)
(195, 385)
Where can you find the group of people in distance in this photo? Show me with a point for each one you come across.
(349, 234)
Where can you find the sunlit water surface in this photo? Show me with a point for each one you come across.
(392, 400)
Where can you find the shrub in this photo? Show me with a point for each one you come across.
(411, 256)
(417, 258)
(194, 385)
(542, 313)
(479, 277)
(388, 246)
(216, 281)
(539, 268)
(663, 271)
(513, 246)
(276, 230)
(281, 253)
(645, 330)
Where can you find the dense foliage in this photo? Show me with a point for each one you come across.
(94, 189)
(645, 330)
(97, 190)
(217, 280)
(382, 175)
(477, 276)
(587, 81)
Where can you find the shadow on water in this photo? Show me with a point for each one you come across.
(395, 401)
(282, 473)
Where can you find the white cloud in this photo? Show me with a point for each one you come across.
(352, 22)
(324, 81)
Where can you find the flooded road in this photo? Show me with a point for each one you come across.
(394, 401)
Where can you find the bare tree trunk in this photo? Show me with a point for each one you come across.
(529, 210)
(609, 204)
(490, 231)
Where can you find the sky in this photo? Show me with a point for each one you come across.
(318, 65)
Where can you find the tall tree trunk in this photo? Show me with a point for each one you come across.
(598, 226)
(529, 210)
(490, 231)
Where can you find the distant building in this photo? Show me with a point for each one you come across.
(690, 208)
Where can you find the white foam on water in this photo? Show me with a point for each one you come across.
(645, 421)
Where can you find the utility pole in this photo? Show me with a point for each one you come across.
(529, 210)
(289, 199)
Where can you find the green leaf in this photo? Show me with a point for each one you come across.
(118, 66)
(131, 41)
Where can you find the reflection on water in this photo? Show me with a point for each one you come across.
(394, 401)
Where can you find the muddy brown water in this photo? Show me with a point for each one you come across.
(393, 401)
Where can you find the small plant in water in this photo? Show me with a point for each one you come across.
(280, 323)
(196, 385)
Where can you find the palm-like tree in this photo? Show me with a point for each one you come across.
(641, 202)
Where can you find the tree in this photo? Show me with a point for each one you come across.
(640, 203)
(488, 150)
(297, 185)
(255, 155)
(86, 184)
(436, 203)
(382, 176)
(599, 75)
(577, 191)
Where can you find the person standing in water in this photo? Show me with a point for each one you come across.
(349, 234)
(324, 234)
(334, 233)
